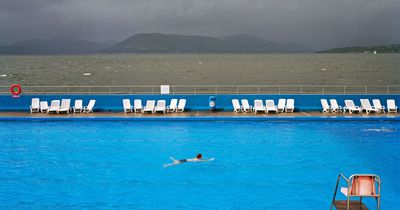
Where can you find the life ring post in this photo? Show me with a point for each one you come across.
(15, 90)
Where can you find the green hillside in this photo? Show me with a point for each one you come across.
(394, 48)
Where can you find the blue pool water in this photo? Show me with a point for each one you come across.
(258, 165)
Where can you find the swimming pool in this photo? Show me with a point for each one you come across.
(258, 165)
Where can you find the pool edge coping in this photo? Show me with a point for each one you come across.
(205, 118)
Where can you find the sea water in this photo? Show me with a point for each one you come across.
(201, 69)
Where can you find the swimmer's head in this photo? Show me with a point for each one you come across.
(199, 156)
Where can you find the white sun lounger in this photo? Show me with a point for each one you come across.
(325, 106)
(349, 106)
(270, 106)
(54, 106)
(245, 106)
(181, 105)
(149, 106)
(137, 105)
(391, 106)
(236, 105)
(172, 105)
(161, 106)
(281, 105)
(127, 105)
(35, 105)
(378, 105)
(78, 106)
(258, 106)
(290, 105)
(90, 106)
(335, 106)
(44, 107)
(65, 106)
(365, 105)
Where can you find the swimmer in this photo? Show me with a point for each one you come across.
(198, 158)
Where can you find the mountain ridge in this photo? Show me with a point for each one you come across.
(144, 43)
(175, 43)
(53, 46)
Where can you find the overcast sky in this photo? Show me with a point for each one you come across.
(316, 23)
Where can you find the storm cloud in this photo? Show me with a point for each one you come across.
(316, 23)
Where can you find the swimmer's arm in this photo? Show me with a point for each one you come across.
(176, 162)
(200, 160)
(206, 160)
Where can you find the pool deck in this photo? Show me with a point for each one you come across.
(198, 114)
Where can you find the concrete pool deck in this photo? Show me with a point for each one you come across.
(195, 114)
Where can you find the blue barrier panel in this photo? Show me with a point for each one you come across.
(194, 102)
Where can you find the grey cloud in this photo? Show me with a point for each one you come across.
(317, 23)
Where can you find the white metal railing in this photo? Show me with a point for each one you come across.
(211, 89)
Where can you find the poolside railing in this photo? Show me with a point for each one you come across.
(210, 89)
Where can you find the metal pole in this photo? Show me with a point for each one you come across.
(387, 89)
(334, 194)
(323, 89)
(279, 89)
(344, 89)
(366, 89)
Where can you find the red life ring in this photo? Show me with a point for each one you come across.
(15, 89)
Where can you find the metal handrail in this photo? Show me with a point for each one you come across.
(348, 181)
(210, 89)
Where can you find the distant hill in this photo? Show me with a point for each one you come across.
(53, 46)
(173, 43)
(159, 43)
(155, 43)
(395, 48)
